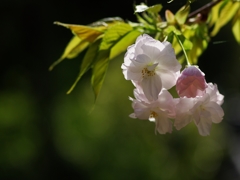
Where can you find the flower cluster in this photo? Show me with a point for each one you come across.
(152, 67)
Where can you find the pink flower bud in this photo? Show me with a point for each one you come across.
(191, 82)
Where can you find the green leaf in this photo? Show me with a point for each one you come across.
(226, 14)
(214, 14)
(99, 71)
(199, 46)
(169, 17)
(145, 22)
(114, 34)
(74, 47)
(142, 8)
(106, 21)
(182, 14)
(84, 32)
(186, 43)
(122, 44)
(236, 29)
(170, 37)
(155, 9)
(87, 62)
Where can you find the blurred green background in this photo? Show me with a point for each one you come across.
(46, 134)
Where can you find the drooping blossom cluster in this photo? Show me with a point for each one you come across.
(152, 67)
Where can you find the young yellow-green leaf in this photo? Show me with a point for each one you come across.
(199, 46)
(155, 9)
(226, 14)
(236, 29)
(182, 14)
(186, 43)
(78, 49)
(214, 14)
(74, 47)
(122, 44)
(106, 21)
(84, 32)
(170, 37)
(113, 34)
(172, 28)
(144, 22)
(177, 48)
(87, 62)
(142, 8)
(99, 71)
(169, 17)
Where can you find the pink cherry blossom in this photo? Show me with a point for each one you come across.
(159, 111)
(191, 82)
(152, 65)
(204, 110)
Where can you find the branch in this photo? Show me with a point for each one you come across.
(204, 9)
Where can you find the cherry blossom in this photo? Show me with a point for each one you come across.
(191, 82)
(151, 65)
(159, 111)
(204, 110)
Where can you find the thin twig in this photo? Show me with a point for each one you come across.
(203, 9)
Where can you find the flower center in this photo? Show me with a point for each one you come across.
(149, 70)
(152, 116)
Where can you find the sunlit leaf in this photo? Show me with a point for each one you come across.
(170, 37)
(141, 20)
(214, 14)
(106, 21)
(169, 17)
(122, 45)
(87, 61)
(84, 32)
(144, 22)
(226, 14)
(142, 8)
(182, 14)
(74, 47)
(78, 49)
(155, 9)
(170, 29)
(177, 48)
(114, 34)
(236, 25)
(186, 43)
(236, 29)
(198, 48)
(99, 71)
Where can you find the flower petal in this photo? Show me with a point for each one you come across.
(204, 126)
(151, 87)
(163, 124)
(216, 112)
(168, 78)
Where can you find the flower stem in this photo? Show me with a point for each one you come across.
(185, 54)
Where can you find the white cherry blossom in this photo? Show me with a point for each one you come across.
(204, 110)
(152, 65)
(159, 111)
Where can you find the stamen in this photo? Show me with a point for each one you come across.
(149, 71)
